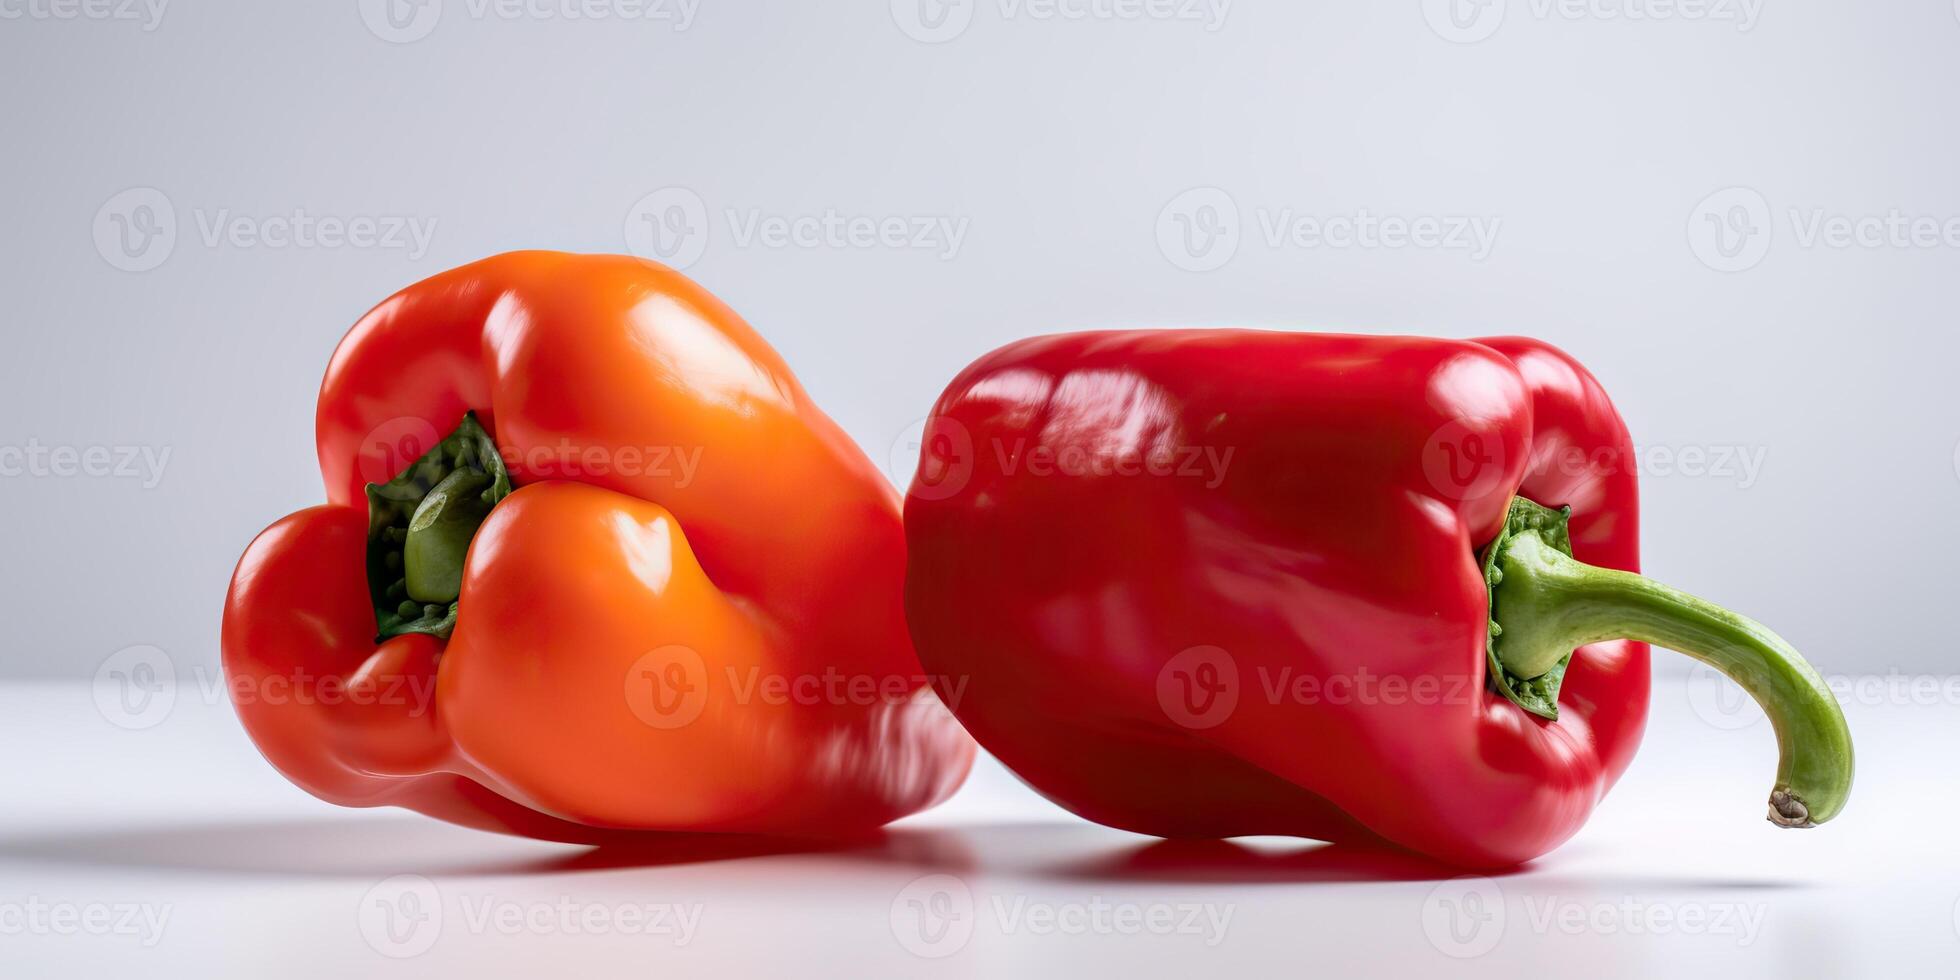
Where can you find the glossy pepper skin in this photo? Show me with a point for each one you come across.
(623, 614)
(1224, 583)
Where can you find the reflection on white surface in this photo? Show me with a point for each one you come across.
(175, 851)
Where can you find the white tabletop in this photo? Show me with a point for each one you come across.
(174, 850)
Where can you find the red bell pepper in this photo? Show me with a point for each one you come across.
(1224, 583)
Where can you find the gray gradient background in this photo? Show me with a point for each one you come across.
(1593, 140)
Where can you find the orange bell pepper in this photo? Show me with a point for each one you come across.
(643, 584)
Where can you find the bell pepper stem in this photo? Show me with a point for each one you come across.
(420, 525)
(1546, 603)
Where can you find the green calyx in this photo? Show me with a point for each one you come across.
(1544, 604)
(1537, 691)
(419, 529)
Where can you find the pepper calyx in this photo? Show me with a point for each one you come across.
(420, 525)
(1538, 694)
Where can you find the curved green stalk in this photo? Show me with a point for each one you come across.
(1544, 603)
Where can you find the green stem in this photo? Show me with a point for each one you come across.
(420, 525)
(1546, 603)
(439, 534)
